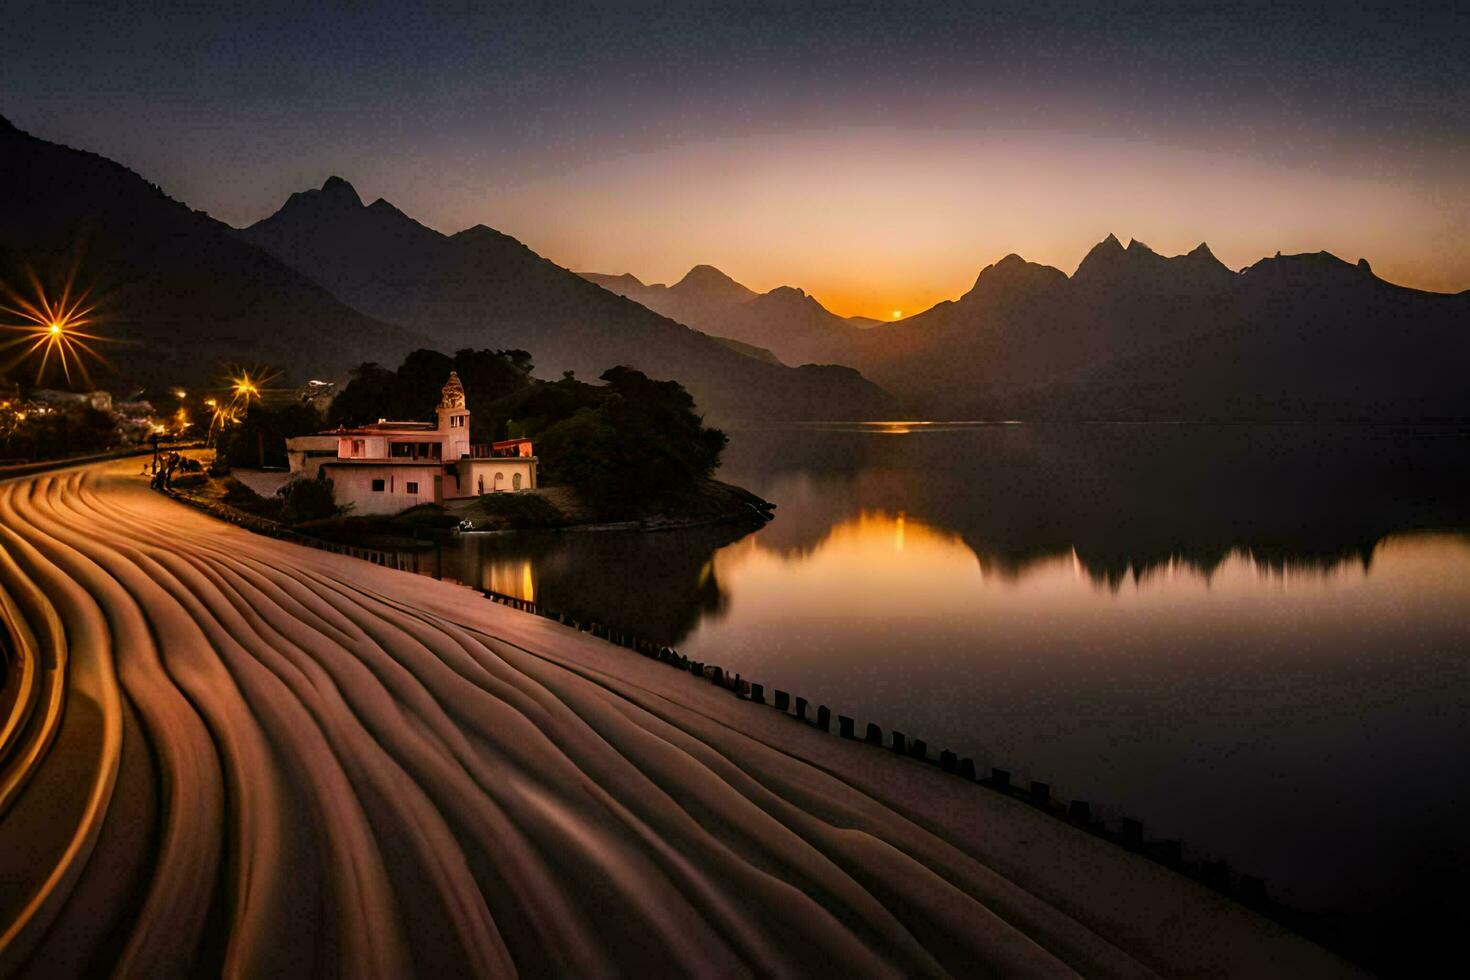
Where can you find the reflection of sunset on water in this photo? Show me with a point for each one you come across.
(879, 560)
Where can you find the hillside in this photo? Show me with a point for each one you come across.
(787, 321)
(181, 296)
(482, 288)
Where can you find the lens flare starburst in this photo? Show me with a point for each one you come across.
(54, 328)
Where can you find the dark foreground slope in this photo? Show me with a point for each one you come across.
(181, 295)
(481, 288)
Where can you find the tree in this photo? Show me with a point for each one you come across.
(260, 438)
(495, 381)
(642, 444)
(310, 500)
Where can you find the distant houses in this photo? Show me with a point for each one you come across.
(388, 467)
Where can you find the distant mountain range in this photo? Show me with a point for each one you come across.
(1130, 335)
(328, 282)
(785, 321)
(1134, 335)
(481, 288)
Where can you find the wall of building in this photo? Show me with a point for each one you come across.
(305, 454)
(354, 485)
(373, 447)
(496, 474)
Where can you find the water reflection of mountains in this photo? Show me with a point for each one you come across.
(1125, 499)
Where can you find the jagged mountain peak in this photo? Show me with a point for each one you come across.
(705, 282)
(1101, 255)
(1011, 271)
(337, 189)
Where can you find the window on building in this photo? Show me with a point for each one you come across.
(378, 486)
(515, 482)
(357, 447)
(411, 488)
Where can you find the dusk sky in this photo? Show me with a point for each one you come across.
(877, 155)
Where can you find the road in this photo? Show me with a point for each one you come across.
(222, 753)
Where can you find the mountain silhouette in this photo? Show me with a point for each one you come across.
(181, 296)
(1132, 334)
(786, 321)
(482, 288)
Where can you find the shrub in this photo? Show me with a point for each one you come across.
(428, 516)
(239, 495)
(310, 500)
(523, 509)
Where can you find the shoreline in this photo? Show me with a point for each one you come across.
(712, 503)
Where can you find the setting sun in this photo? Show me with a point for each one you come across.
(897, 315)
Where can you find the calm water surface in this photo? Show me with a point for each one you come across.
(1256, 639)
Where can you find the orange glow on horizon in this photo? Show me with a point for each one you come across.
(783, 215)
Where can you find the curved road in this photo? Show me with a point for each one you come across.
(221, 753)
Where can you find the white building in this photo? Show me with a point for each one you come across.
(391, 466)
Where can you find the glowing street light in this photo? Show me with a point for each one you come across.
(51, 327)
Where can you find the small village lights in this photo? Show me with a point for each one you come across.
(245, 388)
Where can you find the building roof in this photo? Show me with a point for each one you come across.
(383, 427)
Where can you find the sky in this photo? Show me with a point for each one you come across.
(877, 155)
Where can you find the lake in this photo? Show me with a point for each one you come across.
(1255, 639)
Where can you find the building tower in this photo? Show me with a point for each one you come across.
(454, 419)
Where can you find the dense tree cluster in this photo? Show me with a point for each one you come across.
(260, 437)
(641, 441)
(495, 383)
